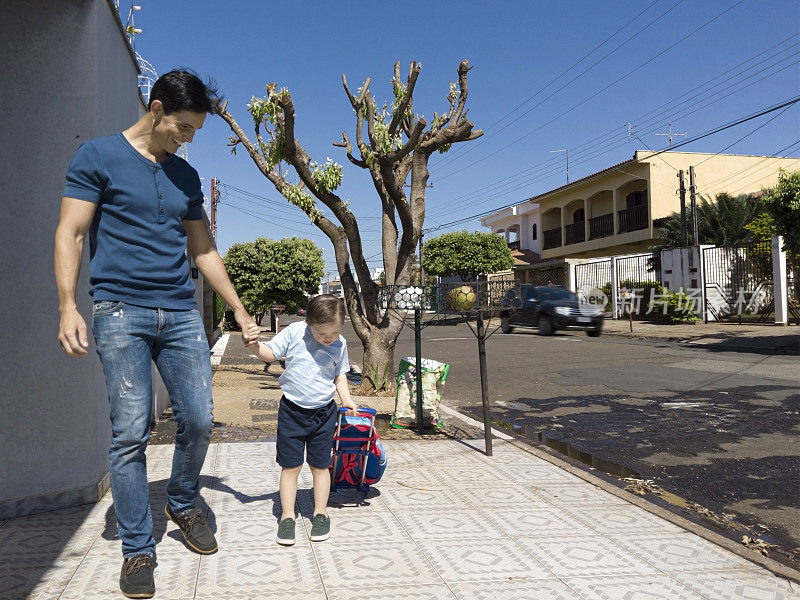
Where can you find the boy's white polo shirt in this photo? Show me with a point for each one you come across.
(311, 367)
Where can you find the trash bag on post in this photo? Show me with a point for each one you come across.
(434, 375)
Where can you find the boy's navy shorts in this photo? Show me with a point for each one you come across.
(309, 429)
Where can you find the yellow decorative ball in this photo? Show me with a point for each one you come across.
(462, 298)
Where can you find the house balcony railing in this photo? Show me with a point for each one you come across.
(602, 226)
(633, 218)
(575, 233)
(552, 238)
(513, 245)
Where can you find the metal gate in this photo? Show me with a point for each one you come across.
(738, 282)
(639, 268)
(549, 276)
(793, 286)
(594, 275)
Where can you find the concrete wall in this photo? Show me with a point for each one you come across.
(735, 174)
(68, 76)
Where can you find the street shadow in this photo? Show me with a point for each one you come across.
(787, 344)
(725, 448)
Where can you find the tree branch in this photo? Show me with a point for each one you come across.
(345, 143)
(463, 69)
(297, 156)
(254, 152)
(405, 149)
(399, 114)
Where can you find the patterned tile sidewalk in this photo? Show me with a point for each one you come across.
(445, 522)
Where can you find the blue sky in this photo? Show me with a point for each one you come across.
(546, 76)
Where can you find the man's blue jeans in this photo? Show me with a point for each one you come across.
(128, 338)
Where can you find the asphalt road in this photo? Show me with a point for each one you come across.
(719, 429)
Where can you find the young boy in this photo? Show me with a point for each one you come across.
(316, 365)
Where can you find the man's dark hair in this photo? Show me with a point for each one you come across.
(324, 309)
(182, 89)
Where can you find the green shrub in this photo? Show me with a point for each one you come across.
(645, 290)
(678, 304)
(219, 309)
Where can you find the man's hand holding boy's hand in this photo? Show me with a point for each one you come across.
(250, 334)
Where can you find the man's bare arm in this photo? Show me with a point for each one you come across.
(204, 252)
(74, 221)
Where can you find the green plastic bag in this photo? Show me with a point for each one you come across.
(434, 375)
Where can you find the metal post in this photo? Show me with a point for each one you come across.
(682, 189)
(693, 204)
(418, 367)
(614, 289)
(487, 422)
(214, 199)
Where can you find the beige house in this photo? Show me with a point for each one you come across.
(615, 211)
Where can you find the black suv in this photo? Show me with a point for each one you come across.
(550, 308)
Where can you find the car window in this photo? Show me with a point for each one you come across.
(555, 293)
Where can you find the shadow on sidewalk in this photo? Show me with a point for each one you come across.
(35, 549)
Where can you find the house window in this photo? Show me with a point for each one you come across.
(635, 199)
(534, 233)
(578, 216)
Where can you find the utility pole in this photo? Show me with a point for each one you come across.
(693, 204)
(682, 191)
(672, 134)
(214, 200)
(566, 153)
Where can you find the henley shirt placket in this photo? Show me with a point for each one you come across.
(162, 216)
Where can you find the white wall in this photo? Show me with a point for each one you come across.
(67, 77)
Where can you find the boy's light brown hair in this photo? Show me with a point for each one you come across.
(325, 308)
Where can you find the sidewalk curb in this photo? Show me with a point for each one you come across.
(771, 565)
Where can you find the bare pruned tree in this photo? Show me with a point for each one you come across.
(392, 145)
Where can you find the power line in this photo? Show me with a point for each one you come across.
(582, 102)
(784, 104)
(602, 142)
(552, 81)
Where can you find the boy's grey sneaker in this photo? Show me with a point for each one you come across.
(194, 529)
(320, 528)
(286, 532)
(136, 578)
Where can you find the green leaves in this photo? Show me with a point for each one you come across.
(328, 176)
(783, 203)
(266, 272)
(722, 222)
(466, 254)
(385, 143)
(304, 201)
(267, 114)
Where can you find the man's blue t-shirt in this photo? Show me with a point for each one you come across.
(311, 367)
(137, 242)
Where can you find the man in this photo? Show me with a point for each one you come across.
(142, 207)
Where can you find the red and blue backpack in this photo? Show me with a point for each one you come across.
(355, 442)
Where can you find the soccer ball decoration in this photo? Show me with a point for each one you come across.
(462, 298)
(408, 298)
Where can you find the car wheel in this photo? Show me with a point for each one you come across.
(593, 332)
(545, 326)
(505, 325)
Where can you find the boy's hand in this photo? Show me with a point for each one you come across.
(353, 412)
(250, 334)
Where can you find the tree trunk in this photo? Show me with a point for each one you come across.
(378, 373)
